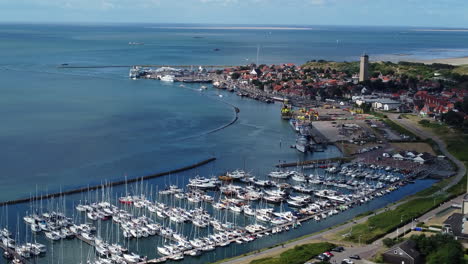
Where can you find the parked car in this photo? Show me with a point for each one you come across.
(328, 254)
(338, 249)
(354, 257)
(347, 261)
(322, 257)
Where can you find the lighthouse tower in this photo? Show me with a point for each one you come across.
(364, 68)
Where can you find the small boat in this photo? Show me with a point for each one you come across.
(279, 174)
(35, 228)
(294, 203)
(178, 256)
(167, 78)
(7, 255)
(133, 258)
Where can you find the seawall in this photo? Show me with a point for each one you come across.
(106, 185)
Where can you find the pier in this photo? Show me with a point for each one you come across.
(282, 226)
(311, 162)
(106, 185)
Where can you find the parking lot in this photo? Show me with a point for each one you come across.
(344, 256)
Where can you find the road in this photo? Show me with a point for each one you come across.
(369, 250)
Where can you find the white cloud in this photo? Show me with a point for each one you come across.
(90, 4)
(317, 2)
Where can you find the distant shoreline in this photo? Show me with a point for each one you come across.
(239, 28)
(452, 61)
(443, 30)
(455, 61)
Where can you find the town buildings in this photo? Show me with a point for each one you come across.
(403, 253)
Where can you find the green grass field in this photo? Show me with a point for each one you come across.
(462, 70)
(297, 255)
(399, 128)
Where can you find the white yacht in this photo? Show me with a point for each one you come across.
(168, 78)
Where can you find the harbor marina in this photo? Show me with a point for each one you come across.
(208, 214)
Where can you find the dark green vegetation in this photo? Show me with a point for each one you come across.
(347, 67)
(406, 75)
(297, 255)
(404, 69)
(427, 123)
(439, 249)
(459, 147)
(436, 249)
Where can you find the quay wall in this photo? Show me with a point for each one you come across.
(312, 162)
(109, 184)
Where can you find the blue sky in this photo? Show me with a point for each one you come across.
(428, 13)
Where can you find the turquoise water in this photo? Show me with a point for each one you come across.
(66, 128)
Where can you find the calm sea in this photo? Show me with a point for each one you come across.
(66, 128)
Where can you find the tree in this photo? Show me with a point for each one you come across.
(235, 75)
(448, 253)
(464, 105)
(452, 118)
(388, 242)
(439, 248)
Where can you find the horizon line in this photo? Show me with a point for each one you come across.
(193, 25)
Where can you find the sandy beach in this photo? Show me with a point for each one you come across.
(451, 61)
(407, 57)
(443, 30)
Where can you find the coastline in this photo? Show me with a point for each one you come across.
(452, 61)
(455, 61)
(238, 28)
(442, 30)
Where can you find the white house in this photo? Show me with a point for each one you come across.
(386, 104)
(398, 156)
(419, 159)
